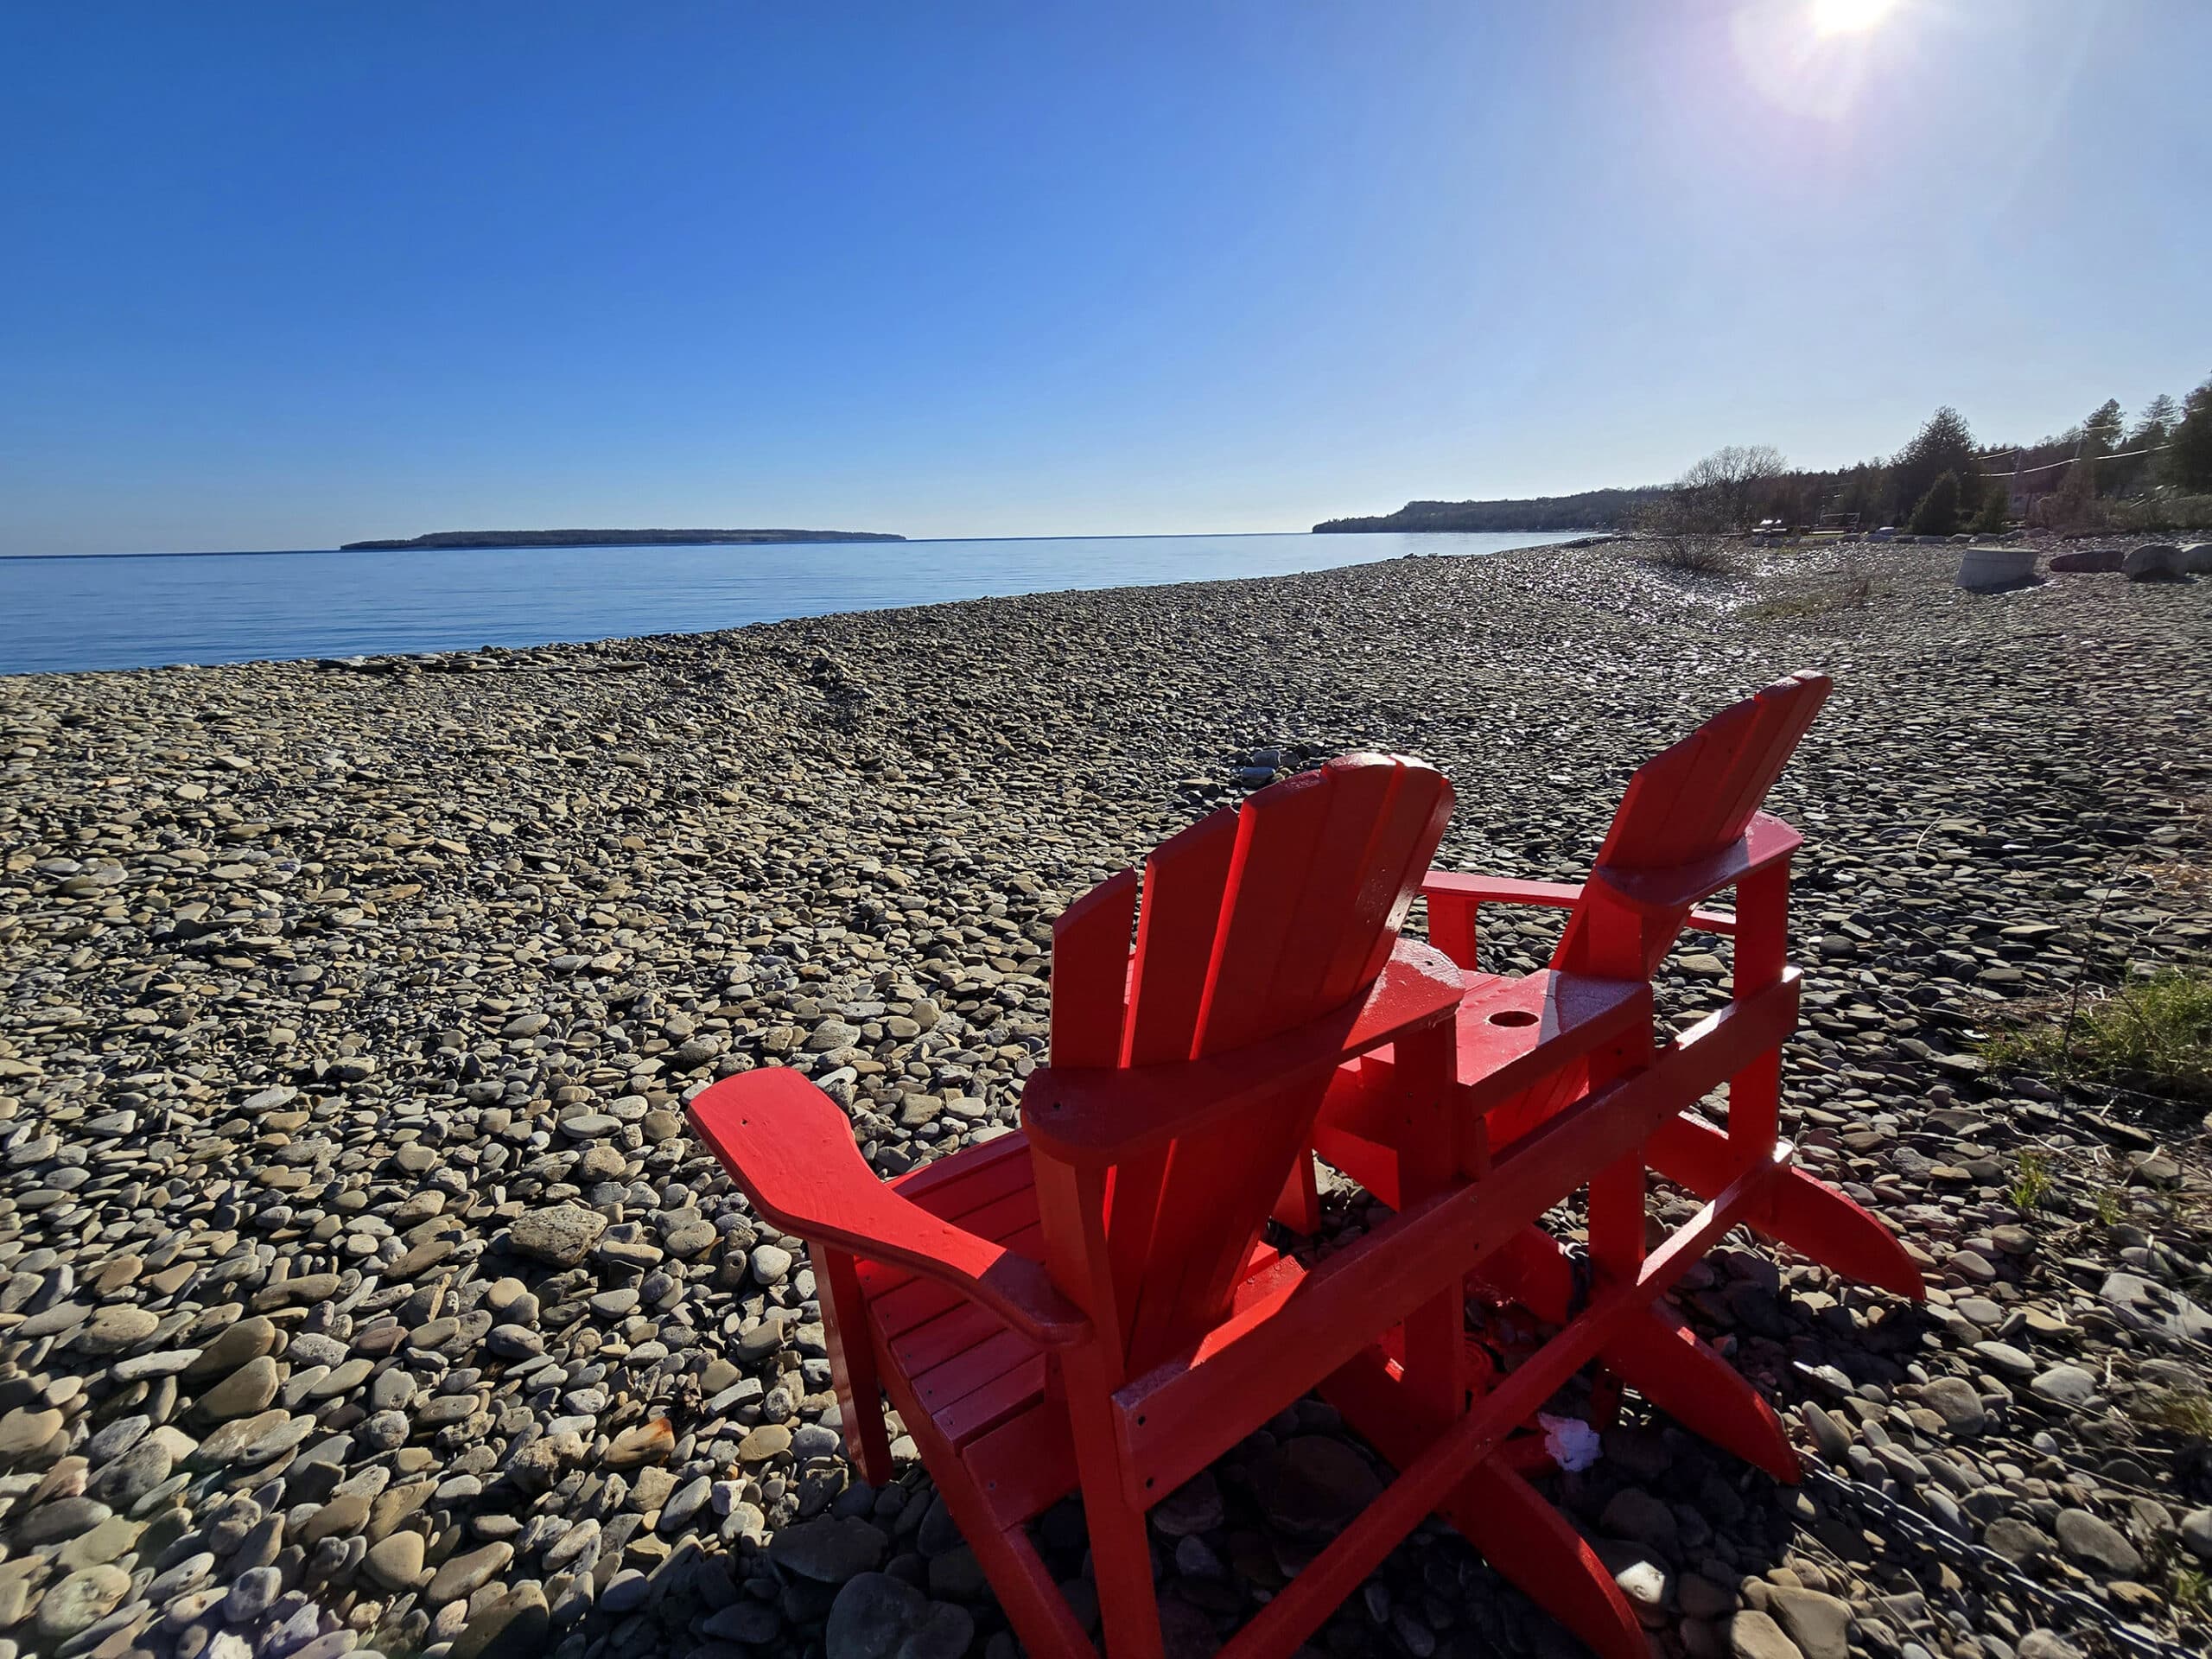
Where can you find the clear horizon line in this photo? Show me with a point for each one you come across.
(904, 541)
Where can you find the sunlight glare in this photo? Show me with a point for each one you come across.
(1848, 16)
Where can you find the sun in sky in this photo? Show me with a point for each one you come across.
(1813, 57)
(1848, 16)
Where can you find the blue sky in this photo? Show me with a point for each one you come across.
(279, 275)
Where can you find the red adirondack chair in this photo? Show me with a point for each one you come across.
(1087, 1304)
(1555, 1076)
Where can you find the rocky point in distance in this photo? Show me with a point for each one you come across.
(614, 538)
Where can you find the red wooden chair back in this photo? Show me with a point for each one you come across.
(1683, 807)
(1253, 921)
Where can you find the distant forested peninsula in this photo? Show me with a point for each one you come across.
(617, 539)
(1590, 510)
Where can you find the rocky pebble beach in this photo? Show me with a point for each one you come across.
(362, 1289)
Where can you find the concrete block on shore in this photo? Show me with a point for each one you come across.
(1985, 569)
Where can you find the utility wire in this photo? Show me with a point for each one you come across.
(2021, 472)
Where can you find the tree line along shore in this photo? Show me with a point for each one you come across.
(2106, 473)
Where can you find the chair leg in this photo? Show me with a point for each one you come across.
(852, 1364)
(1032, 1601)
(1662, 1359)
(1799, 1209)
(1516, 1531)
(1121, 1551)
(1121, 1563)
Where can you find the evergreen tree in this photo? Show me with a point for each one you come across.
(2135, 468)
(1943, 445)
(2157, 424)
(2101, 432)
(1992, 519)
(2189, 463)
(1938, 511)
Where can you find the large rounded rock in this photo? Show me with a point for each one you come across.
(1958, 1402)
(878, 1616)
(2152, 561)
(2095, 558)
(396, 1562)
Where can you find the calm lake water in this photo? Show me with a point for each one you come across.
(137, 611)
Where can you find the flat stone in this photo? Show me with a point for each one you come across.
(251, 1594)
(248, 1390)
(339, 1518)
(646, 1442)
(1754, 1635)
(59, 1518)
(829, 1550)
(517, 1625)
(81, 1601)
(115, 1330)
(2067, 1385)
(110, 1541)
(2006, 1360)
(249, 1339)
(765, 1442)
(23, 1431)
(1818, 1623)
(463, 1575)
(2096, 1543)
(559, 1236)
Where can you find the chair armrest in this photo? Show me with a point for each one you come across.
(1455, 900)
(1766, 840)
(1450, 885)
(1096, 1116)
(790, 1147)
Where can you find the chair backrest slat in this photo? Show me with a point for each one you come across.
(1090, 972)
(1183, 881)
(1251, 923)
(1276, 845)
(1686, 804)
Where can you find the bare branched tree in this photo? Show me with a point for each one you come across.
(1720, 496)
(1728, 488)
